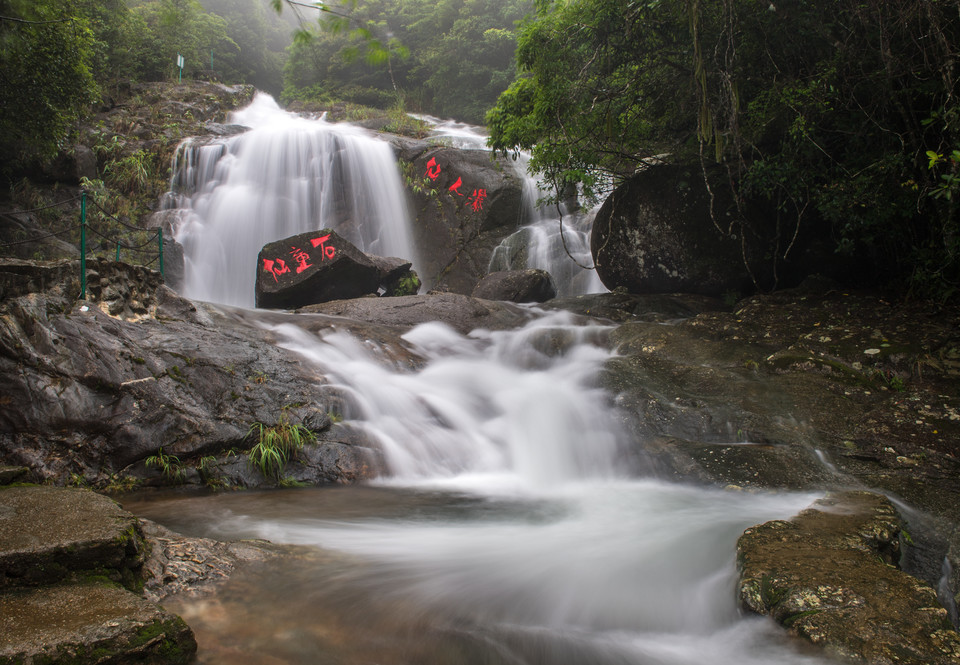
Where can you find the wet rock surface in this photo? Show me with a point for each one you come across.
(71, 567)
(465, 203)
(95, 388)
(531, 285)
(460, 312)
(828, 575)
(48, 534)
(90, 623)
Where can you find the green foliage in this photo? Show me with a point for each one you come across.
(839, 111)
(450, 58)
(169, 465)
(46, 56)
(277, 444)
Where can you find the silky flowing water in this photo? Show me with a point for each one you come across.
(285, 176)
(506, 527)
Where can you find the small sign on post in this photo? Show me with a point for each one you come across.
(180, 66)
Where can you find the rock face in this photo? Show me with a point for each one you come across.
(460, 312)
(465, 203)
(321, 266)
(655, 234)
(830, 575)
(93, 389)
(63, 554)
(531, 285)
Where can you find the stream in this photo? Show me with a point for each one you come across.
(507, 528)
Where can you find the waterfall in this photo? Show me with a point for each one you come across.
(518, 408)
(505, 529)
(286, 175)
(553, 239)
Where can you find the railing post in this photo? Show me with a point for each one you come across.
(83, 245)
(118, 251)
(160, 246)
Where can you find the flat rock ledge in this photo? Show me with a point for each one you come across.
(829, 575)
(71, 570)
(89, 623)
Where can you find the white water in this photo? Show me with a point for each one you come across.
(552, 239)
(288, 175)
(507, 528)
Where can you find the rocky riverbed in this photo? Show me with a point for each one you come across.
(813, 388)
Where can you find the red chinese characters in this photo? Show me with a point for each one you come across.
(301, 258)
(276, 267)
(476, 199)
(433, 169)
(455, 187)
(326, 251)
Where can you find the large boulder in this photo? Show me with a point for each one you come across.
(465, 203)
(321, 266)
(663, 231)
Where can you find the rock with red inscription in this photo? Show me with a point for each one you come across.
(311, 268)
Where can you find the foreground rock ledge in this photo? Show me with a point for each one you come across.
(49, 533)
(90, 623)
(829, 575)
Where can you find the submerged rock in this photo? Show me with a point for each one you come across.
(532, 285)
(829, 575)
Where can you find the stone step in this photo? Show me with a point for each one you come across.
(48, 534)
(89, 623)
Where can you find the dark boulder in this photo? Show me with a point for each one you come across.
(532, 285)
(321, 266)
(663, 231)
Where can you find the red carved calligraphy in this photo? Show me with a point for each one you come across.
(276, 268)
(433, 169)
(301, 257)
(327, 251)
(455, 187)
(476, 199)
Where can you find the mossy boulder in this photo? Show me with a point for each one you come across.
(830, 575)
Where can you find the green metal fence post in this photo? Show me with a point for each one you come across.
(160, 245)
(83, 245)
(118, 251)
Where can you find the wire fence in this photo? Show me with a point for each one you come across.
(151, 248)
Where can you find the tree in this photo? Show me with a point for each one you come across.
(450, 58)
(843, 110)
(46, 56)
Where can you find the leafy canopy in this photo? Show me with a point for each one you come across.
(844, 110)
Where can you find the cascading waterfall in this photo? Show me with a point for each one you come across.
(557, 241)
(554, 239)
(285, 176)
(506, 530)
